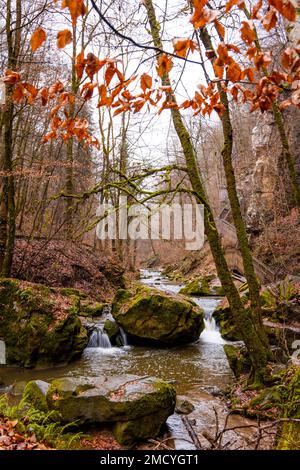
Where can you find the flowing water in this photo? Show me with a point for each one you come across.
(199, 364)
(191, 368)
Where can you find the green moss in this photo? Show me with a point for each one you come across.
(35, 394)
(69, 291)
(198, 286)
(154, 316)
(31, 327)
(112, 329)
(238, 359)
(226, 324)
(289, 435)
(88, 308)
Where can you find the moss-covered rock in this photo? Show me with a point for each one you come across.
(238, 359)
(267, 398)
(150, 315)
(227, 326)
(40, 326)
(35, 393)
(201, 287)
(89, 308)
(112, 329)
(138, 407)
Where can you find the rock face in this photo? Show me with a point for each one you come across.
(150, 315)
(40, 325)
(136, 407)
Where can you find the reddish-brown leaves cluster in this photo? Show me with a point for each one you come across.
(205, 101)
(11, 439)
(182, 46)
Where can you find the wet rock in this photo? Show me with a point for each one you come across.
(201, 287)
(39, 325)
(112, 329)
(89, 308)
(138, 407)
(184, 406)
(152, 316)
(213, 390)
(35, 393)
(238, 359)
(227, 327)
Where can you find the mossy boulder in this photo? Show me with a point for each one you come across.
(238, 359)
(227, 326)
(39, 325)
(137, 407)
(152, 316)
(202, 287)
(113, 331)
(35, 393)
(89, 308)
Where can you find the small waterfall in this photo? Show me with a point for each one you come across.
(123, 337)
(211, 333)
(99, 339)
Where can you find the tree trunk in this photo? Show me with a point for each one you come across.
(7, 209)
(239, 224)
(258, 351)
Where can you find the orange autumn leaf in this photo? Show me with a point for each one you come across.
(181, 46)
(285, 7)
(255, 11)
(203, 18)
(198, 9)
(18, 93)
(220, 28)
(270, 19)
(146, 82)
(109, 73)
(247, 32)
(232, 3)
(76, 7)
(11, 77)
(218, 68)
(37, 39)
(93, 65)
(234, 72)
(164, 65)
(64, 37)
(80, 65)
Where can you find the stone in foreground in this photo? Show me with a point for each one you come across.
(137, 407)
(152, 316)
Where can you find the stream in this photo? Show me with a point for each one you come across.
(194, 369)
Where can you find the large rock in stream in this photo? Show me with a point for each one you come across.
(39, 325)
(137, 407)
(152, 316)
